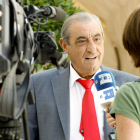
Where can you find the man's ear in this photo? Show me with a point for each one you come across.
(63, 45)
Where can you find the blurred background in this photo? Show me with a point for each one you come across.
(113, 14)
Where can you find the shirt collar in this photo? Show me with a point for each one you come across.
(74, 75)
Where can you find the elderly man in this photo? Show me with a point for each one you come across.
(59, 113)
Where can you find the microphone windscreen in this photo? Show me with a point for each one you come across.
(60, 14)
(103, 80)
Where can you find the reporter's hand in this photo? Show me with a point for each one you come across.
(111, 121)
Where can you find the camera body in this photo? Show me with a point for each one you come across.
(20, 48)
(47, 46)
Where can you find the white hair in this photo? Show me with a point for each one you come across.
(80, 16)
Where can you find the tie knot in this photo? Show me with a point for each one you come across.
(87, 84)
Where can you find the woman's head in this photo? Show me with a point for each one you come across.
(131, 36)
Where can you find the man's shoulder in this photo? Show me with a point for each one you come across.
(117, 72)
(49, 72)
(120, 76)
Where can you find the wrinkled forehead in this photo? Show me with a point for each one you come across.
(78, 27)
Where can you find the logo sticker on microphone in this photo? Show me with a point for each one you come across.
(105, 78)
(109, 94)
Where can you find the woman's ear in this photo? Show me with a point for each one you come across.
(63, 45)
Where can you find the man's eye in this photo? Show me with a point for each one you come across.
(97, 40)
(81, 41)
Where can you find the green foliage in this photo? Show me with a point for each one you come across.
(52, 25)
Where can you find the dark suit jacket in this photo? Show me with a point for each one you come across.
(49, 117)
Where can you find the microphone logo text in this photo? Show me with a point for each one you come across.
(105, 78)
(108, 94)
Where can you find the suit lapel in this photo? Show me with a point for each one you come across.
(60, 84)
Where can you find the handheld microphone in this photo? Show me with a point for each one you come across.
(106, 88)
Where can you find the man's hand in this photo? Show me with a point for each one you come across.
(111, 121)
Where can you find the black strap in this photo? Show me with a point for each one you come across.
(13, 100)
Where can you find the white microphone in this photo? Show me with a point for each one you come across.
(106, 88)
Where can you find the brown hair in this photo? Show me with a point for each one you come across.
(131, 36)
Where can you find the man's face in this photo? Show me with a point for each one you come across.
(86, 47)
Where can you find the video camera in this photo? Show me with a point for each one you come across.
(20, 48)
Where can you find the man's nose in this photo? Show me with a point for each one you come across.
(91, 46)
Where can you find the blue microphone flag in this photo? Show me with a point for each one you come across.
(103, 80)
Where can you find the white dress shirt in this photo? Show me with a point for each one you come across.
(76, 95)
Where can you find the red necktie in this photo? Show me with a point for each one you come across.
(89, 125)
